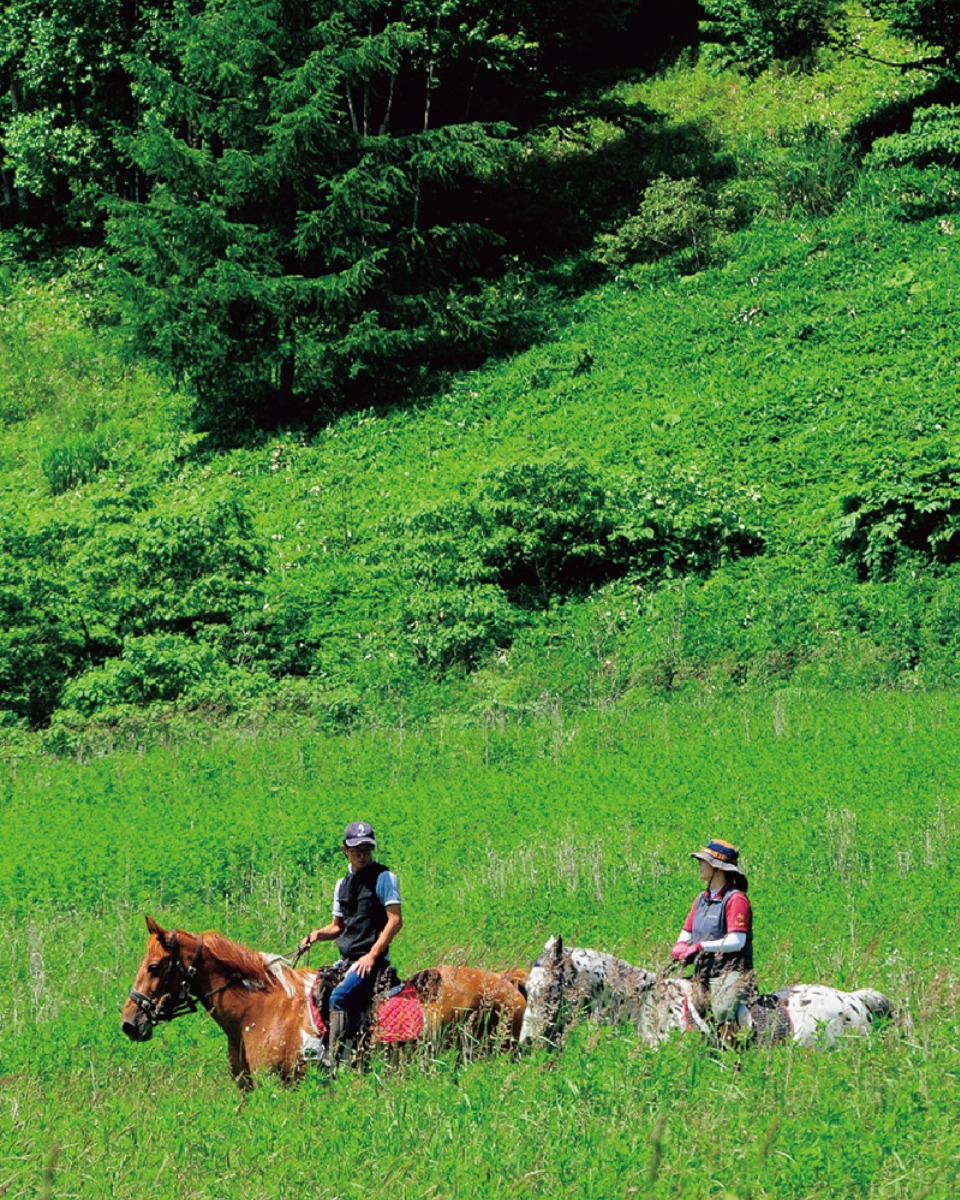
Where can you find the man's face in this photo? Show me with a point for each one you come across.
(360, 856)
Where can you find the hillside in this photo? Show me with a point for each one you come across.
(646, 501)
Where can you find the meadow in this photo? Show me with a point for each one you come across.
(848, 815)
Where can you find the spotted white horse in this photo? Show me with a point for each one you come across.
(566, 982)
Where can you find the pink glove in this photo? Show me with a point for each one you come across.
(691, 950)
(679, 951)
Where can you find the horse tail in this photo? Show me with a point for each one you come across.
(877, 1003)
(427, 984)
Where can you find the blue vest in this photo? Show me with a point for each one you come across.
(364, 917)
(709, 923)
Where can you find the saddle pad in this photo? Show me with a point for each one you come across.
(400, 1017)
(771, 1019)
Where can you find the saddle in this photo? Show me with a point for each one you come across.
(328, 978)
(770, 1018)
(766, 1019)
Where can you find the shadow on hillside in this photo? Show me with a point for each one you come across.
(579, 176)
(897, 115)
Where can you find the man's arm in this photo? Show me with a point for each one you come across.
(326, 934)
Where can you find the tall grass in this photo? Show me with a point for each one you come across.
(848, 816)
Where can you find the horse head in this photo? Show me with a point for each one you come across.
(549, 976)
(564, 982)
(163, 985)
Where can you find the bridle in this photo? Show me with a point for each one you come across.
(184, 1001)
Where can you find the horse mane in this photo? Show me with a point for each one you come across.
(251, 965)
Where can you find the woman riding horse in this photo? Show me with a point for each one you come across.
(717, 938)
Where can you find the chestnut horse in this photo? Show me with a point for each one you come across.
(263, 1004)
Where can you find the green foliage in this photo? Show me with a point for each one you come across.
(143, 605)
(932, 23)
(755, 34)
(74, 460)
(294, 250)
(676, 217)
(39, 645)
(909, 507)
(807, 172)
(65, 95)
(933, 139)
(680, 524)
(926, 157)
(153, 667)
(537, 533)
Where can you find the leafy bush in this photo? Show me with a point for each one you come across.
(150, 668)
(536, 533)
(933, 138)
(74, 459)
(140, 606)
(676, 216)
(926, 156)
(458, 627)
(39, 644)
(754, 34)
(909, 508)
(681, 525)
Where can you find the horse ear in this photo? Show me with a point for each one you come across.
(157, 930)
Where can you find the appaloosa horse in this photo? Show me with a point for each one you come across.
(264, 1005)
(565, 982)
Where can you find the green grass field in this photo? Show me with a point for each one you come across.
(848, 815)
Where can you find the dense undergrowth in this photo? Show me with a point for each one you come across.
(684, 568)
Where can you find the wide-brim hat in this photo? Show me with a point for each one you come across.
(359, 833)
(722, 855)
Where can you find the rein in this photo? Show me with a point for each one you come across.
(185, 1001)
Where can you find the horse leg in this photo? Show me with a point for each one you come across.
(239, 1067)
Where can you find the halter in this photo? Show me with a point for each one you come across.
(185, 1001)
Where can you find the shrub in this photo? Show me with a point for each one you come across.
(150, 668)
(908, 508)
(754, 34)
(676, 217)
(536, 533)
(680, 525)
(39, 645)
(449, 627)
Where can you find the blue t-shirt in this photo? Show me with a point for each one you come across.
(388, 891)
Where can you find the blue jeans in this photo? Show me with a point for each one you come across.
(353, 995)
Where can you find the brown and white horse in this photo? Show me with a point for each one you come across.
(565, 982)
(263, 1004)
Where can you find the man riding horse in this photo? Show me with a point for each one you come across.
(366, 918)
